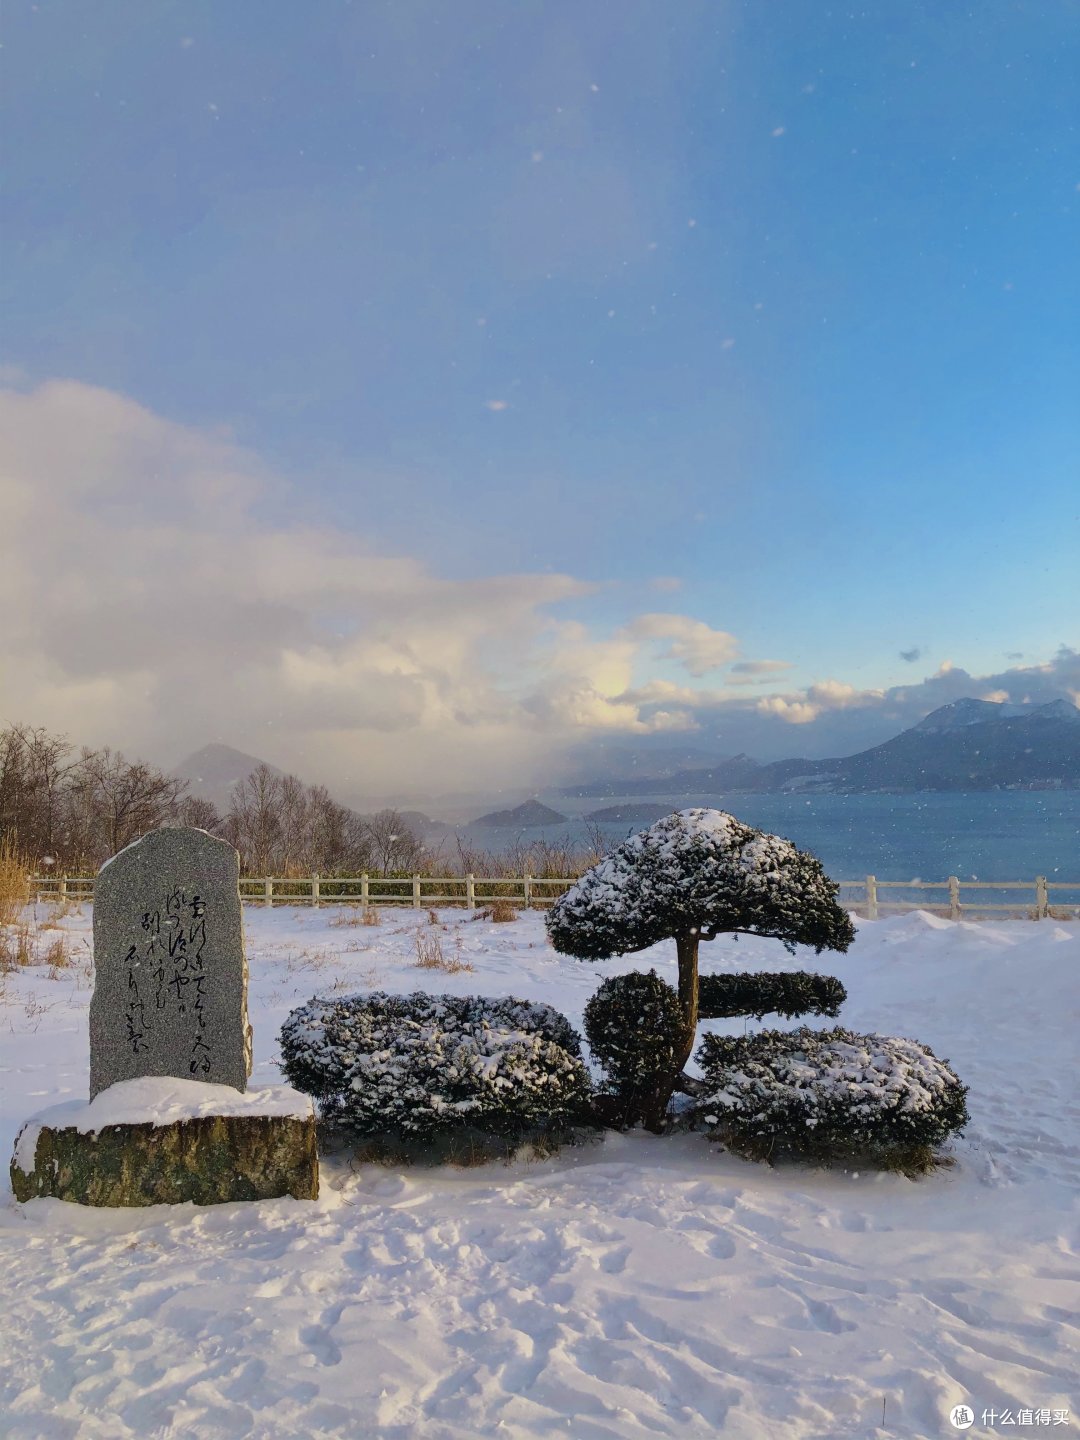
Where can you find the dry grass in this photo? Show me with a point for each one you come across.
(344, 921)
(367, 915)
(499, 911)
(16, 948)
(27, 943)
(14, 882)
(429, 955)
(56, 954)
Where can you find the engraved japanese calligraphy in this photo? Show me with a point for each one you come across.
(170, 975)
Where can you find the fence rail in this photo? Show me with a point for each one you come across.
(538, 892)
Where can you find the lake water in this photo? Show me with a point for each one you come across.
(994, 835)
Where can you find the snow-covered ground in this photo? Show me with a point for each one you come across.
(634, 1287)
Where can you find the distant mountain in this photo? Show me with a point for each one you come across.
(660, 754)
(971, 712)
(967, 745)
(641, 814)
(423, 825)
(212, 772)
(527, 816)
(960, 748)
(738, 772)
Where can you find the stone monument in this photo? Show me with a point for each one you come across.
(170, 977)
(170, 1117)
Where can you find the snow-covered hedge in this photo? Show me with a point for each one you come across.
(810, 1092)
(787, 993)
(698, 873)
(633, 1025)
(420, 1066)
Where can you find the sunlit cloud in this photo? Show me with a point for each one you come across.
(794, 712)
(803, 707)
(694, 644)
(157, 593)
(166, 609)
(172, 610)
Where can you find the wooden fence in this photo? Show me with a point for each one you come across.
(1030, 898)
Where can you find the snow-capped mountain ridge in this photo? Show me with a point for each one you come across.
(968, 744)
(990, 712)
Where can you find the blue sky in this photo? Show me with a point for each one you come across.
(776, 301)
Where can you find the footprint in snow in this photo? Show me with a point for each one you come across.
(321, 1344)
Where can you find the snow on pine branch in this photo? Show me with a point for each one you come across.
(810, 1089)
(698, 872)
(421, 1065)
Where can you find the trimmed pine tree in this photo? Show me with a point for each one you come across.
(692, 876)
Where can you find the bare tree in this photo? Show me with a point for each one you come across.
(253, 823)
(395, 845)
(338, 840)
(78, 810)
(359, 850)
(34, 766)
(121, 799)
(296, 847)
(199, 812)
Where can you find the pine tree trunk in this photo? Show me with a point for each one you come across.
(687, 949)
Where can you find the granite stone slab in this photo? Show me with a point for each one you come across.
(170, 974)
(132, 1146)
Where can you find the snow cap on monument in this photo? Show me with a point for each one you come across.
(170, 975)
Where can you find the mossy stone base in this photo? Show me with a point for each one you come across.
(209, 1160)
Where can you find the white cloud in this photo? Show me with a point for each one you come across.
(150, 605)
(157, 592)
(794, 712)
(152, 601)
(694, 644)
(805, 706)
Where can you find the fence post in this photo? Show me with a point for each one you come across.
(527, 888)
(268, 891)
(416, 892)
(954, 897)
(470, 891)
(365, 897)
(871, 897)
(315, 891)
(63, 889)
(1042, 899)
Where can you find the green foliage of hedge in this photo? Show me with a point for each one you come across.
(798, 992)
(420, 1067)
(814, 1093)
(633, 1025)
